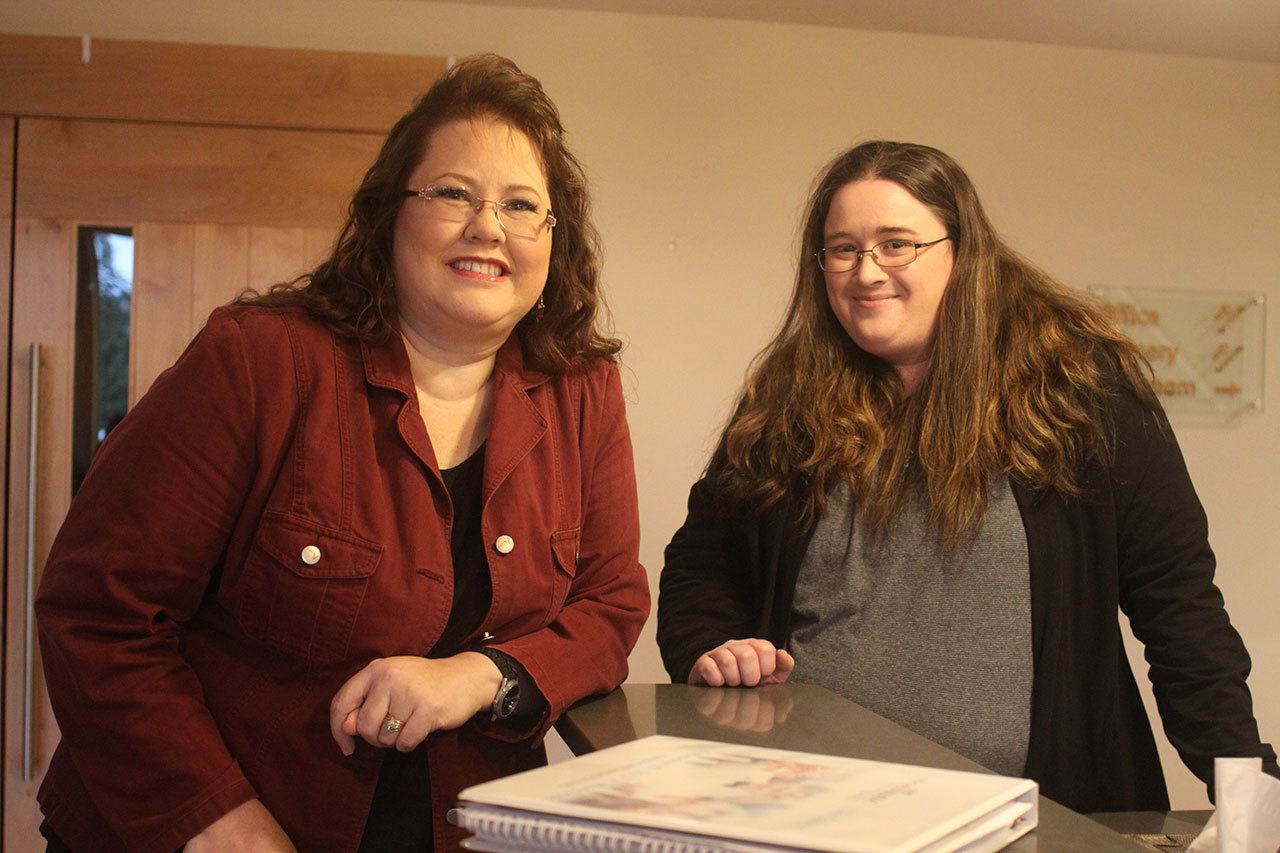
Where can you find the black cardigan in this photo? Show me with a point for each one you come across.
(1136, 539)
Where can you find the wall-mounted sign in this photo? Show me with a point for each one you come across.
(1207, 347)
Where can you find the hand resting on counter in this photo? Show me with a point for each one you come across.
(742, 663)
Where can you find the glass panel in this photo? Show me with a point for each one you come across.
(104, 287)
(1207, 347)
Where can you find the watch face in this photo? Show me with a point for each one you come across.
(507, 699)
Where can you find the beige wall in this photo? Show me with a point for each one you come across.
(701, 137)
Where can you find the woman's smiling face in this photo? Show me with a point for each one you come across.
(471, 282)
(892, 312)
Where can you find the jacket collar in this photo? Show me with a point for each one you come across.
(386, 365)
(516, 421)
(509, 366)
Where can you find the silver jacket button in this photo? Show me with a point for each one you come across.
(311, 555)
(505, 544)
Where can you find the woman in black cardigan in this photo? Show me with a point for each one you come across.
(942, 478)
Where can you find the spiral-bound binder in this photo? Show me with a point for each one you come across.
(674, 795)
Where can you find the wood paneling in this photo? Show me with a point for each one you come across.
(275, 255)
(164, 257)
(44, 257)
(221, 269)
(7, 143)
(317, 244)
(105, 172)
(210, 84)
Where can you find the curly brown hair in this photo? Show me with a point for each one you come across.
(1019, 367)
(353, 290)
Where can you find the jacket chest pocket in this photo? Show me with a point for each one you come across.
(564, 556)
(303, 586)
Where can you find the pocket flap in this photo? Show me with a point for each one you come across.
(564, 547)
(312, 551)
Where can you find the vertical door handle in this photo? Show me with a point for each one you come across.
(29, 629)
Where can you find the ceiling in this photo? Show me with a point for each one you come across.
(1225, 29)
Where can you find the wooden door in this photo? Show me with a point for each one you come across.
(212, 211)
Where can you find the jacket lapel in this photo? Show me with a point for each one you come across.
(386, 366)
(516, 423)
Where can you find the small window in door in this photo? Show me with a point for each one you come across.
(104, 290)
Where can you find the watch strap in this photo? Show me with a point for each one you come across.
(507, 697)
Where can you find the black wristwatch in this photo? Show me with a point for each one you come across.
(508, 695)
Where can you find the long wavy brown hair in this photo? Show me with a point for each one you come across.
(1020, 366)
(353, 290)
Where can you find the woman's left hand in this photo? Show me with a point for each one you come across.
(424, 694)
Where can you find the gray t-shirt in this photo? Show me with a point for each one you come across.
(939, 643)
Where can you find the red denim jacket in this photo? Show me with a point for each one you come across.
(191, 652)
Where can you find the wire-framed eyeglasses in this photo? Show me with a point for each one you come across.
(894, 252)
(519, 216)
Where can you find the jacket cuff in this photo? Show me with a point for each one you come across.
(177, 829)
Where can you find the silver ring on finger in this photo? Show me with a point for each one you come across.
(391, 725)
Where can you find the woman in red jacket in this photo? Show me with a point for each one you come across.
(372, 533)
